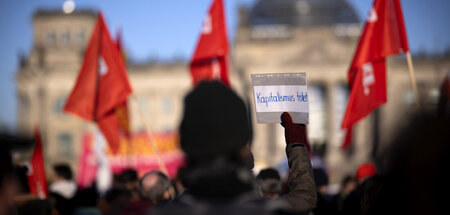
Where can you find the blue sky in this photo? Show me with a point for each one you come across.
(165, 29)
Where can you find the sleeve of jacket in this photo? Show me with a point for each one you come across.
(302, 194)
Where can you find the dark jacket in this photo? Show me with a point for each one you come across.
(302, 194)
(300, 199)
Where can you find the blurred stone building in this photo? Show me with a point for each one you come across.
(318, 37)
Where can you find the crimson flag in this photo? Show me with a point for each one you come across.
(210, 58)
(102, 85)
(36, 174)
(384, 35)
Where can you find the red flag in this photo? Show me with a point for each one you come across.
(36, 174)
(210, 58)
(384, 35)
(102, 84)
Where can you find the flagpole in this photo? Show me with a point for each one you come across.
(412, 76)
(161, 164)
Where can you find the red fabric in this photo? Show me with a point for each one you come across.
(102, 84)
(348, 139)
(367, 92)
(294, 133)
(36, 175)
(384, 35)
(209, 61)
(365, 170)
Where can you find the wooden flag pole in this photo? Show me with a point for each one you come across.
(161, 164)
(412, 76)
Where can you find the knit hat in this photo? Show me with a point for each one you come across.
(365, 170)
(215, 122)
(269, 173)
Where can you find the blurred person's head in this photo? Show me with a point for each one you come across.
(321, 180)
(117, 180)
(22, 176)
(348, 185)
(129, 177)
(63, 183)
(9, 186)
(215, 122)
(86, 198)
(247, 157)
(364, 171)
(269, 183)
(414, 170)
(156, 187)
(62, 172)
(214, 133)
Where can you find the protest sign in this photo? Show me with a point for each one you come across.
(276, 93)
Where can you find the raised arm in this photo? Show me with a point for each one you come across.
(302, 194)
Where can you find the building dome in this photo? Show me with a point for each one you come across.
(302, 13)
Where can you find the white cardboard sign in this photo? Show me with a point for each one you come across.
(276, 93)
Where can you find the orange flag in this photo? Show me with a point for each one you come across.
(102, 85)
(384, 35)
(36, 174)
(209, 61)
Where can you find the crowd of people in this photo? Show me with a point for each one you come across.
(218, 177)
(129, 194)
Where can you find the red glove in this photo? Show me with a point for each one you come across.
(294, 133)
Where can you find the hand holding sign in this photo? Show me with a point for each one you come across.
(280, 92)
(294, 133)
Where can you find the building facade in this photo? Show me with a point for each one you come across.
(315, 37)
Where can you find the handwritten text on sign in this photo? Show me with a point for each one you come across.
(281, 98)
(275, 93)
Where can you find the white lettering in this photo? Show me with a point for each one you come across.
(280, 98)
(207, 25)
(102, 67)
(215, 69)
(373, 17)
(368, 78)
